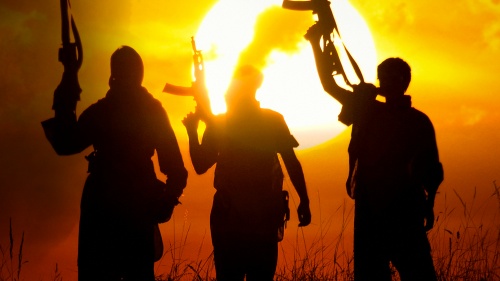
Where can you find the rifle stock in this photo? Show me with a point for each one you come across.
(329, 28)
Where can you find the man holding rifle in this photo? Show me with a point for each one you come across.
(249, 206)
(122, 201)
(394, 170)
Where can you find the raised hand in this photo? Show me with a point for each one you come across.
(191, 122)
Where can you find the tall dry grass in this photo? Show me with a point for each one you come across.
(468, 248)
(319, 259)
(11, 261)
(465, 243)
(180, 267)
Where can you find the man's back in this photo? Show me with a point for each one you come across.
(248, 147)
(248, 206)
(392, 144)
(124, 129)
(248, 174)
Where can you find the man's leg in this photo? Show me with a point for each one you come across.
(262, 259)
(228, 261)
(412, 256)
(371, 260)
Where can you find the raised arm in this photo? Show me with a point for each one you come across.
(325, 67)
(204, 155)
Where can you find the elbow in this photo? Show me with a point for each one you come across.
(330, 86)
(200, 170)
(63, 153)
(201, 166)
(201, 163)
(64, 150)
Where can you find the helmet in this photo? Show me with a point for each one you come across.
(244, 84)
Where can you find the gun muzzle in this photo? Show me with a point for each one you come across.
(317, 6)
(298, 5)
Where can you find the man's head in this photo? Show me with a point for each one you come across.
(244, 84)
(126, 67)
(394, 75)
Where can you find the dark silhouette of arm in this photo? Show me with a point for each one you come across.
(204, 155)
(169, 156)
(432, 178)
(429, 169)
(66, 134)
(294, 169)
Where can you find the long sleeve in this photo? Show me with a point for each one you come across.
(169, 155)
(66, 134)
(204, 155)
(427, 167)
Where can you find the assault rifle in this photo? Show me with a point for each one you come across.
(328, 26)
(68, 91)
(198, 89)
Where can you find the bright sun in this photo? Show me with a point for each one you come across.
(261, 33)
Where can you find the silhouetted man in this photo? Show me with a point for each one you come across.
(122, 199)
(248, 204)
(394, 172)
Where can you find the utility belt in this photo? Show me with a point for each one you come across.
(285, 215)
(104, 164)
(91, 158)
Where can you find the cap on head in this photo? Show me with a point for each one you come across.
(126, 66)
(395, 69)
(244, 84)
(249, 75)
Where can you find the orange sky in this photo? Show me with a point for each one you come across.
(452, 46)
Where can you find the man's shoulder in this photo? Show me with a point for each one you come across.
(419, 115)
(263, 113)
(271, 114)
(420, 122)
(147, 98)
(99, 105)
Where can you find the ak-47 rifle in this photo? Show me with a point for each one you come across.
(198, 89)
(68, 91)
(327, 24)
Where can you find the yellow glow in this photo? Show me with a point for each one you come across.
(291, 85)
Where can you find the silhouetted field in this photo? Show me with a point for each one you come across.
(466, 247)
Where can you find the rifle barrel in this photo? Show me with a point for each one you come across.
(178, 90)
(64, 22)
(298, 5)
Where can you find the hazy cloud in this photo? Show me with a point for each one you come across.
(480, 6)
(491, 35)
(471, 115)
(275, 29)
(390, 16)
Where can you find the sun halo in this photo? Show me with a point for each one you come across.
(291, 84)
